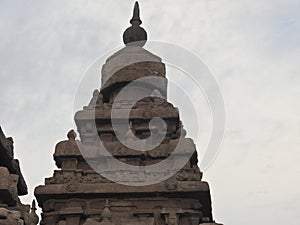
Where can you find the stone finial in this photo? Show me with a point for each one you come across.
(33, 217)
(106, 211)
(96, 93)
(33, 206)
(106, 214)
(100, 100)
(136, 15)
(128, 135)
(71, 135)
(135, 35)
(97, 100)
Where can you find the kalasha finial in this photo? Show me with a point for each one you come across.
(136, 15)
(33, 205)
(135, 35)
(71, 135)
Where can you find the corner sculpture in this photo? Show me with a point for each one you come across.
(12, 185)
(77, 195)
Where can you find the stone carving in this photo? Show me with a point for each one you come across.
(33, 217)
(158, 99)
(77, 195)
(106, 215)
(128, 136)
(186, 175)
(71, 135)
(96, 101)
(173, 219)
(72, 186)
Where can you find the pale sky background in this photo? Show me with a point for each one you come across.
(252, 47)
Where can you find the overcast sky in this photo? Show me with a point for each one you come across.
(252, 47)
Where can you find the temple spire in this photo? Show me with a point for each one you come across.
(135, 35)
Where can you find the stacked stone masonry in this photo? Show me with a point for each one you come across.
(12, 185)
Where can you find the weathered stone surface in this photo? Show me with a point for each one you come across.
(7, 160)
(127, 59)
(12, 184)
(8, 187)
(10, 217)
(3, 213)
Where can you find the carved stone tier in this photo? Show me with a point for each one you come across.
(123, 210)
(166, 188)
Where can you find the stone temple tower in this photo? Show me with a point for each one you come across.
(133, 164)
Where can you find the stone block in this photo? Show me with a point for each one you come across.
(8, 187)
